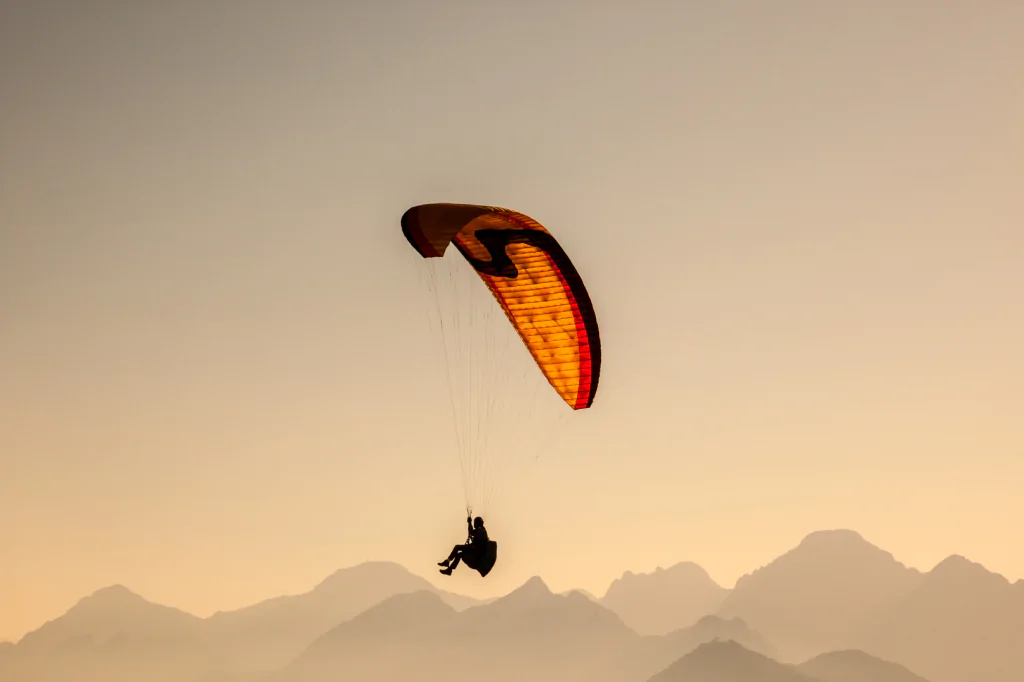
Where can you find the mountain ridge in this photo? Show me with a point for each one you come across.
(665, 599)
(818, 595)
(832, 592)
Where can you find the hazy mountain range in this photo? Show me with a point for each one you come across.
(833, 609)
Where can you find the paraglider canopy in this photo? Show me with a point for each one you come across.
(533, 281)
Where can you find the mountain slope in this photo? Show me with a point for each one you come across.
(112, 635)
(115, 634)
(728, 662)
(957, 623)
(856, 666)
(819, 596)
(710, 628)
(529, 633)
(667, 599)
(108, 613)
(269, 634)
(961, 623)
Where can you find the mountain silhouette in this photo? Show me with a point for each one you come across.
(820, 595)
(529, 632)
(534, 607)
(961, 622)
(711, 628)
(115, 628)
(269, 634)
(401, 636)
(856, 666)
(728, 662)
(958, 622)
(585, 593)
(110, 612)
(665, 600)
(112, 635)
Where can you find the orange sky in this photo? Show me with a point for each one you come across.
(801, 227)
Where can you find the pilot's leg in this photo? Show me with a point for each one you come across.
(456, 551)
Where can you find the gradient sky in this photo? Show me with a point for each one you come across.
(801, 223)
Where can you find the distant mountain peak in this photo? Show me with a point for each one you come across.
(532, 594)
(116, 591)
(728, 659)
(344, 576)
(664, 600)
(534, 587)
(840, 542)
(422, 605)
(715, 620)
(833, 537)
(683, 569)
(111, 598)
(958, 562)
(817, 595)
(687, 567)
(959, 568)
(107, 614)
(580, 592)
(830, 547)
(727, 646)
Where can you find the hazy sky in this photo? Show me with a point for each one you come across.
(800, 222)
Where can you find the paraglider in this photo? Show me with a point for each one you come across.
(479, 553)
(543, 298)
